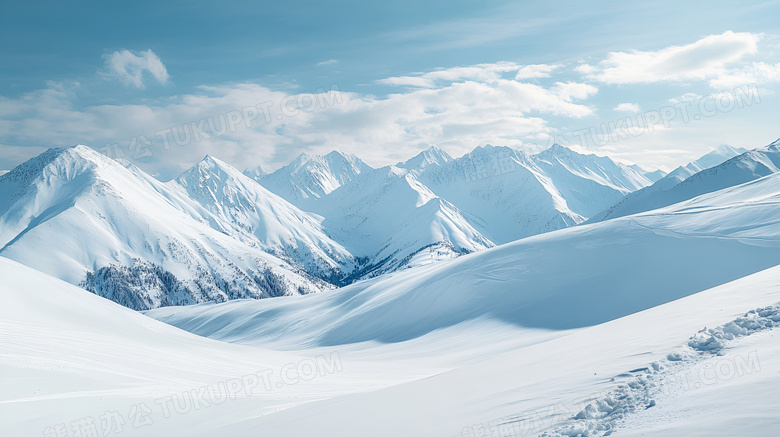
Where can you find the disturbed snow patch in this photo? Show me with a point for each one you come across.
(606, 412)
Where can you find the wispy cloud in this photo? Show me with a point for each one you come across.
(129, 67)
(627, 107)
(328, 62)
(535, 71)
(753, 73)
(489, 73)
(704, 59)
(485, 73)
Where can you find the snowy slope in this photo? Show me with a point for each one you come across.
(82, 217)
(310, 177)
(70, 356)
(664, 191)
(243, 208)
(72, 359)
(570, 278)
(596, 381)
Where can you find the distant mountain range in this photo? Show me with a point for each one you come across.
(722, 168)
(216, 233)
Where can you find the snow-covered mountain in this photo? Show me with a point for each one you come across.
(242, 208)
(507, 195)
(82, 217)
(492, 195)
(310, 177)
(387, 217)
(711, 172)
(568, 168)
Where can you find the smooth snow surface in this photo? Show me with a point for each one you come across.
(70, 356)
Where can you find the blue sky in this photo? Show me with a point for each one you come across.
(456, 74)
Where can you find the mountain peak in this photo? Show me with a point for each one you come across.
(60, 161)
(489, 148)
(211, 166)
(491, 153)
(211, 162)
(559, 150)
(337, 154)
(255, 173)
(307, 161)
(726, 149)
(600, 169)
(774, 145)
(82, 153)
(715, 157)
(314, 176)
(430, 156)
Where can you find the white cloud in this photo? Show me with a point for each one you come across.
(703, 59)
(480, 73)
(535, 71)
(585, 69)
(569, 91)
(129, 67)
(754, 73)
(486, 73)
(687, 97)
(627, 107)
(328, 62)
